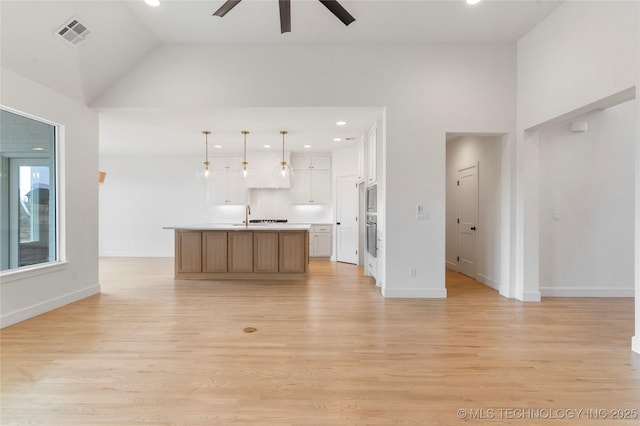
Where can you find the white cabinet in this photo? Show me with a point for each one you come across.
(320, 241)
(361, 152)
(219, 164)
(371, 266)
(228, 186)
(311, 182)
(372, 142)
(300, 162)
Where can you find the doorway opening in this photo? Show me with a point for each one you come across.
(474, 206)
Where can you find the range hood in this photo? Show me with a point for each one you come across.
(264, 170)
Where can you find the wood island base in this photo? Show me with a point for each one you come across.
(241, 254)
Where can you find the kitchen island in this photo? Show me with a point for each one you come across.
(218, 251)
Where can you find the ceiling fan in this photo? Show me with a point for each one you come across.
(285, 12)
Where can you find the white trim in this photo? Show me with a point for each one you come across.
(452, 265)
(531, 296)
(586, 292)
(489, 282)
(635, 344)
(31, 271)
(136, 253)
(48, 305)
(415, 293)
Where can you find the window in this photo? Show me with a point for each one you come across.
(27, 191)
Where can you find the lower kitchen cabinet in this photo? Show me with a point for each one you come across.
(293, 251)
(371, 266)
(188, 251)
(214, 251)
(320, 241)
(241, 254)
(265, 251)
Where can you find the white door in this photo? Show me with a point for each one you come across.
(467, 219)
(347, 219)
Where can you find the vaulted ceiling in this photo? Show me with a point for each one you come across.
(122, 33)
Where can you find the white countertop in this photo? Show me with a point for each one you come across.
(241, 227)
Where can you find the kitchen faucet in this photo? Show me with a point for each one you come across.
(247, 212)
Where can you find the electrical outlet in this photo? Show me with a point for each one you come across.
(412, 271)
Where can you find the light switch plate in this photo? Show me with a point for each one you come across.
(421, 213)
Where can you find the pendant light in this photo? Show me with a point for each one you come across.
(206, 152)
(283, 163)
(244, 159)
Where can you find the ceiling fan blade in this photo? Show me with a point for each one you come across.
(340, 12)
(226, 7)
(285, 16)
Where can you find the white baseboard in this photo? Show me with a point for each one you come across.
(586, 292)
(452, 265)
(489, 282)
(531, 296)
(46, 306)
(136, 253)
(414, 293)
(635, 344)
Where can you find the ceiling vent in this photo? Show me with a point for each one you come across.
(73, 31)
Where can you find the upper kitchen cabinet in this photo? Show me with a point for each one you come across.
(372, 142)
(311, 182)
(227, 183)
(226, 164)
(361, 151)
(311, 162)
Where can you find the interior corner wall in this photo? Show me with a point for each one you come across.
(581, 53)
(34, 291)
(487, 151)
(586, 189)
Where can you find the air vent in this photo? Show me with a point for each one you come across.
(73, 31)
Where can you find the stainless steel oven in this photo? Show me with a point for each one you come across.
(372, 235)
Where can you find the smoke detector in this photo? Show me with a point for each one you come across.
(73, 31)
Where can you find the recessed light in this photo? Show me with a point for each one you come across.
(267, 146)
(341, 123)
(307, 146)
(37, 149)
(473, 1)
(154, 3)
(217, 146)
(337, 139)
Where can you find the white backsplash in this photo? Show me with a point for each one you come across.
(270, 204)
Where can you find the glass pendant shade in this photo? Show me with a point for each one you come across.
(206, 152)
(245, 163)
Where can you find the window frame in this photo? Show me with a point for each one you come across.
(27, 271)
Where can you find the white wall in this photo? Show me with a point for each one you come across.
(582, 53)
(144, 193)
(587, 206)
(39, 289)
(426, 90)
(487, 152)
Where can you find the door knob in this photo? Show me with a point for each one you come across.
(337, 223)
(473, 228)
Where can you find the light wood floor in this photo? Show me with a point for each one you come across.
(153, 351)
